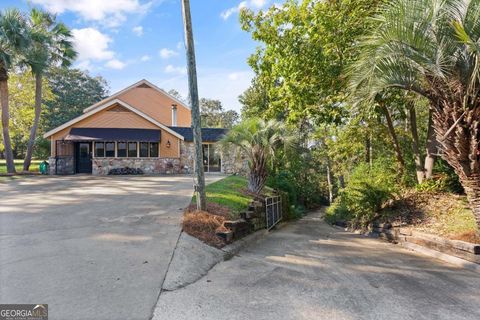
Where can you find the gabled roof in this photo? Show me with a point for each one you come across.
(103, 107)
(139, 83)
(208, 134)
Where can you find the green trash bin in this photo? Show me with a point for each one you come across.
(44, 167)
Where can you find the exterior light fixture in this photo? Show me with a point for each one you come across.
(168, 144)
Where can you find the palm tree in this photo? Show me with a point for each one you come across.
(14, 38)
(431, 48)
(51, 45)
(257, 140)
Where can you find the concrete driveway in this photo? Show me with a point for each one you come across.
(89, 247)
(309, 270)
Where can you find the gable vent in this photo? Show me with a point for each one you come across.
(143, 85)
(118, 108)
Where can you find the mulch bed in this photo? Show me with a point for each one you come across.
(203, 225)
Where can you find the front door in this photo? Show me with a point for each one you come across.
(84, 157)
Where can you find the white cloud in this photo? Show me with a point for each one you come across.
(176, 70)
(115, 64)
(109, 12)
(251, 4)
(233, 76)
(84, 65)
(138, 30)
(167, 53)
(91, 44)
(145, 58)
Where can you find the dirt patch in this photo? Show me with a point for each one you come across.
(471, 237)
(439, 213)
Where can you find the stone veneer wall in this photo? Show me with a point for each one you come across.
(234, 162)
(61, 165)
(101, 166)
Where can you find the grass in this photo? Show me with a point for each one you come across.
(34, 166)
(230, 192)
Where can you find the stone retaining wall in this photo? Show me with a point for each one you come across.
(460, 249)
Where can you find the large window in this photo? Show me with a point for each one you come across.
(132, 149)
(121, 149)
(126, 149)
(99, 149)
(110, 149)
(153, 149)
(143, 149)
(212, 161)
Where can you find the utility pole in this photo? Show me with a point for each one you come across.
(196, 122)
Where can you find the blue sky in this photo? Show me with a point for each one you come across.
(127, 40)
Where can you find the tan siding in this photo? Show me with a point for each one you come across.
(173, 151)
(156, 105)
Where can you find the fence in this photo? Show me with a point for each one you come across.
(273, 211)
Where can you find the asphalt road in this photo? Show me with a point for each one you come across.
(309, 270)
(89, 247)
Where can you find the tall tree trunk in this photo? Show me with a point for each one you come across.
(330, 183)
(368, 146)
(430, 148)
(193, 90)
(471, 185)
(33, 130)
(7, 143)
(458, 131)
(258, 172)
(419, 168)
(341, 181)
(393, 136)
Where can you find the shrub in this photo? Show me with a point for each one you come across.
(367, 190)
(446, 180)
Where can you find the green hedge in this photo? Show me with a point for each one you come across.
(367, 189)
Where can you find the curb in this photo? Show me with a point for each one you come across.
(232, 249)
(178, 277)
(442, 256)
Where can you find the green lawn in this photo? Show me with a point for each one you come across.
(229, 192)
(19, 165)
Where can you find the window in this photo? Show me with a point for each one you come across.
(153, 149)
(143, 149)
(121, 149)
(99, 149)
(132, 149)
(109, 149)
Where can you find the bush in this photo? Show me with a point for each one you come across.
(367, 190)
(446, 180)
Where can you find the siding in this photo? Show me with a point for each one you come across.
(156, 105)
(174, 150)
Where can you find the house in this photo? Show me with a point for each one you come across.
(140, 127)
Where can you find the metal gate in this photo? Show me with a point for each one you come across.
(273, 210)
